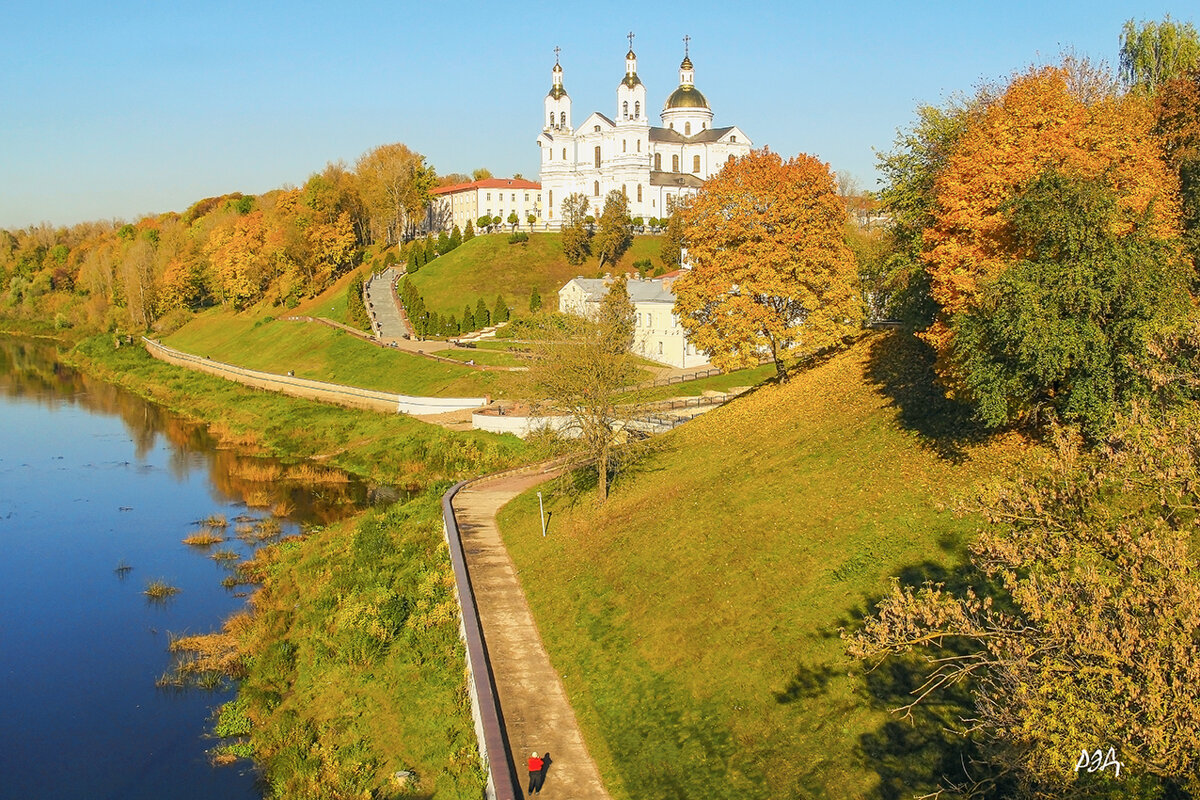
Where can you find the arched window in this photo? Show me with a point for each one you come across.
(687, 129)
(597, 156)
(564, 154)
(658, 162)
(675, 163)
(703, 126)
(625, 109)
(696, 164)
(550, 202)
(551, 125)
(595, 188)
(637, 109)
(562, 120)
(730, 160)
(733, 139)
(623, 192)
(622, 145)
(639, 145)
(639, 193)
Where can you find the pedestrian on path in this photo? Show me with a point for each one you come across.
(536, 774)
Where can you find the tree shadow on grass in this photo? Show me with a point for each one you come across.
(901, 366)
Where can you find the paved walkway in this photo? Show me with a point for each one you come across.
(382, 308)
(537, 716)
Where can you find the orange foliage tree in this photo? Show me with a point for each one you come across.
(772, 274)
(1046, 119)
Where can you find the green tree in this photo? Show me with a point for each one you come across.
(1069, 327)
(1077, 629)
(483, 317)
(500, 311)
(535, 300)
(616, 232)
(430, 249)
(574, 231)
(514, 220)
(530, 219)
(670, 249)
(772, 274)
(1153, 53)
(481, 174)
(443, 243)
(484, 222)
(395, 183)
(583, 366)
(469, 233)
(456, 237)
(468, 319)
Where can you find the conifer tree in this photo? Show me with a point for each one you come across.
(500, 311)
(468, 319)
(456, 237)
(535, 300)
(469, 233)
(483, 317)
(429, 249)
(443, 244)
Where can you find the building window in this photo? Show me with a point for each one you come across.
(703, 126)
(733, 139)
(639, 193)
(564, 154)
(675, 163)
(489, 195)
(639, 145)
(514, 194)
(658, 162)
(597, 156)
(596, 129)
(551, 125)
(550, 203)
(622, 145)
(623, 192)
(625, 109)
(687, 129)
(672, 126)
(660, 348)
(637, 109)
(596, 188)
(562, 120)
(527, 197)
(696, 164)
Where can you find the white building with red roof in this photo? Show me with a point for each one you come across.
(493, 197)
(654, 166)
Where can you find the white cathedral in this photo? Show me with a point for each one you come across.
(653, 166)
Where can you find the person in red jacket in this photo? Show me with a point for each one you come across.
(536, 775)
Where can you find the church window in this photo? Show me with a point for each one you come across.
(675, 163)
(564, 154)
(703, 126)
(639, 145)
(660, 348)
(625, 109)
(596, 129)
(596, 188)
(597, 156)
(639, 193)
(623, 192)
(637, 109)
(622, 145)
(687, 129)
(562, 120)
(696, 164)
(730, 159)
(658, 162)
(551, 202)
(733, 139)
(672, 126)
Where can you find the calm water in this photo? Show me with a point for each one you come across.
(91, 478)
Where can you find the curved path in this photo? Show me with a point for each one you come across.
(537, 716)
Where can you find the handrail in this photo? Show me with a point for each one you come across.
(503, 782)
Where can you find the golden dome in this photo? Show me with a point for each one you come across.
(686, 97)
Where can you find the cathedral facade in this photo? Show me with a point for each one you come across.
(654, 166)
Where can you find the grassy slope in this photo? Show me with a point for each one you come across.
(488, 265)
(322, 353)
(694, 617)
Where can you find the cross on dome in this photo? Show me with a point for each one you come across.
(686, 39)
(557, 50)
(630, 41)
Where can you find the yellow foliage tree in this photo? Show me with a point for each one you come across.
(1046, 119)
(772, 274)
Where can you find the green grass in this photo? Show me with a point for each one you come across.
(354, 664)
(488, 265)
(385, 448)
(694, 617)
(491, 358)
(256, 340)
(716, 383)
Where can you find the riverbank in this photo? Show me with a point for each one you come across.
(350, 667)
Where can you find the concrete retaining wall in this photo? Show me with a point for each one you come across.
(314, 390)
(521, 426)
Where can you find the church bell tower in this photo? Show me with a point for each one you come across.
(557, 113)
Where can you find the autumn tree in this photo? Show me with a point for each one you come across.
(772, 274)
(1045, 119)
(1155, 52)
(395, 184)
(1177, 113)
(1078, 630)
(615, 233)
(581, 365)
(670, 250)
(575, 236)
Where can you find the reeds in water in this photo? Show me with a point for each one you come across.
(160, 590)
(204, 538)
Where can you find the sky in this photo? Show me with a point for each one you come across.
(115, 109)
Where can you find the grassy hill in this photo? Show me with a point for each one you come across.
(488, 265)
(694, 617)
(257, 340)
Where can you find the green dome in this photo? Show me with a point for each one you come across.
(686, 97)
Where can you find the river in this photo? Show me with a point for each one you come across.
(94, 480)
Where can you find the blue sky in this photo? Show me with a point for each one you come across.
(119, 109)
